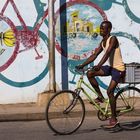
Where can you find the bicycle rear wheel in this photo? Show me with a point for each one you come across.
(65, 113)
(128, 108)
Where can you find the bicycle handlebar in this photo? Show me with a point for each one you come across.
(82, 71)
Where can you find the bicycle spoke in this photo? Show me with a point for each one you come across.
(63, 114)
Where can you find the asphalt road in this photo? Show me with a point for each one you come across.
(38, 130)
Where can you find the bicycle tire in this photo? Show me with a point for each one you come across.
(129, 120)
(60, 122)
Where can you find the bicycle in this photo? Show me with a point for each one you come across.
(11, 36)
(65, 111)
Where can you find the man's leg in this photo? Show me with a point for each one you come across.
(113, 120)
(112, 99)
(91, 77)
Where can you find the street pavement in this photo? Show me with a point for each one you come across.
(39, 130)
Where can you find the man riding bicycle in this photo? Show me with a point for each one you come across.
(115, 69)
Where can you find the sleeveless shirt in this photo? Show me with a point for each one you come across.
(115, 58)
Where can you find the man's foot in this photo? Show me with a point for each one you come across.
(112, 123)
(99, 100)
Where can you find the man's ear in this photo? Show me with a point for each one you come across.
(109, 29)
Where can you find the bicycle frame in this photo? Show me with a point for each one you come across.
(130, 108)
(80, 83)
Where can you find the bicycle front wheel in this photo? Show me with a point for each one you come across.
(128, 108)
(65, 112)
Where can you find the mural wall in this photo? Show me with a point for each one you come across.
(24, 51)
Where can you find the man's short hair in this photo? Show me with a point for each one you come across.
(108, 23)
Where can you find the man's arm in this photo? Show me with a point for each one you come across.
(93, 56)
(112, 45)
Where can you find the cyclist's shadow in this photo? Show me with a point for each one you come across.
(125, 126)
(134, 125)
(118, 128)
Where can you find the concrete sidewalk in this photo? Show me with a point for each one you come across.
(21, 112)
(27, 112)
(32, 111)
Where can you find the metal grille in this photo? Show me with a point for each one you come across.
(132, 73)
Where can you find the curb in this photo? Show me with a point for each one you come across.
(33, 112)
(32, 116)
(22, 117)
(35, 116)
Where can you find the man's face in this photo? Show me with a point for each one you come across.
(104, 29)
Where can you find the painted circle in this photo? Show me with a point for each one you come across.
(32, 81)
(131, 10)
(80, 44)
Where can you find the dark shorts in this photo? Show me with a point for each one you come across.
(114, 73)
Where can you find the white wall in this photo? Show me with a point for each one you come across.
(26, 77)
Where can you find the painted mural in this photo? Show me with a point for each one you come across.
(24, 52)
(18, 39)
(82, 28)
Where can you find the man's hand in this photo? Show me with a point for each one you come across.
(96, 68)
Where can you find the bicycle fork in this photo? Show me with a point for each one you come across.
(73, 102)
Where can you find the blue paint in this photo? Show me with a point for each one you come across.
(64, 46)
(40, 10)
(107, 4)
(24, 84)
(128, 36)
(34, 80)
(129, 12)
(104, 4)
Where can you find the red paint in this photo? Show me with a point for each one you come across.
(25, 36)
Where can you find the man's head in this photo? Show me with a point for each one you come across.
(105, 28)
